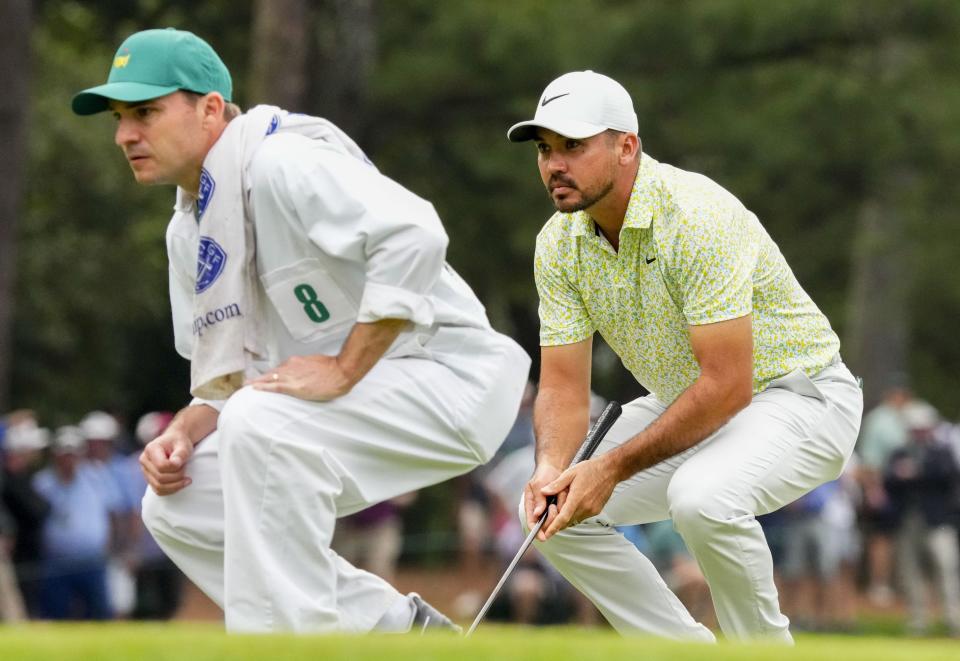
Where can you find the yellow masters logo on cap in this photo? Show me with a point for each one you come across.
(167, 60)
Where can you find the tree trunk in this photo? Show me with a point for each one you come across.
(278, 73)
(15, 22)
(346, 50)
(878, 328)
(877, 342)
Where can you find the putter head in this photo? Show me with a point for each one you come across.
(427, 617)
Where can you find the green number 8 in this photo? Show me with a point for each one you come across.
(316, 310)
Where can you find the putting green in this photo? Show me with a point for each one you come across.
(189, 642)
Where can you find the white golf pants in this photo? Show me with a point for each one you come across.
(795, 435)
(253, 530)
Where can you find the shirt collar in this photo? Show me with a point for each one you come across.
(185, 201)
(640, 208)
(581, 224)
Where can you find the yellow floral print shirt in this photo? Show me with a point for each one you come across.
(690, 254)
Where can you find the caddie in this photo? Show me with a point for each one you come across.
(750, 405)
(336, 360)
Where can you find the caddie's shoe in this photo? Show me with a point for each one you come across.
(428, 617)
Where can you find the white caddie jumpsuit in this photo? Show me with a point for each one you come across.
(336, 243)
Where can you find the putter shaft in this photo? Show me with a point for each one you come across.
(513, 563)
(589, 446)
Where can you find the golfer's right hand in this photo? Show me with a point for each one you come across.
(164, 462)
(535, 502)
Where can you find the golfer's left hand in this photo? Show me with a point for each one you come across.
(315, 378)
(588, 486)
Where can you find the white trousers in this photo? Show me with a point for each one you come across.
(795, 435)
(253, 530)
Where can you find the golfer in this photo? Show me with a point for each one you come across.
(750, 405)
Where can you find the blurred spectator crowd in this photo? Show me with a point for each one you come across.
(882, 538)
(72, 545)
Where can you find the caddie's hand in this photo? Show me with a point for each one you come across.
(315, 378)
(534, 502)
(164, 462)
(587, 485)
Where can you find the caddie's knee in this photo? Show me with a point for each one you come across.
(240, 411)
(155, 513)
(242, 423)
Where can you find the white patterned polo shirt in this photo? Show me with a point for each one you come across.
(690, 254)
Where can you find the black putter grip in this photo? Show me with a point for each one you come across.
(594, 436)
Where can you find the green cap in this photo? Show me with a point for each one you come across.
(154, 63)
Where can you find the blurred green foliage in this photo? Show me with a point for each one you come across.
(794, 106)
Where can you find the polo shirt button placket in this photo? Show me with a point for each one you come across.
(626, 262)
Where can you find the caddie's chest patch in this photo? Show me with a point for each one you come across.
(211, 259)
(207, 188)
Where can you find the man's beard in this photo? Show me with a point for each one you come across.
(587, 198)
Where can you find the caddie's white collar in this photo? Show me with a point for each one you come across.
(185, 201)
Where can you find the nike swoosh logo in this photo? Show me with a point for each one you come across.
(651, 260)
(553, 98)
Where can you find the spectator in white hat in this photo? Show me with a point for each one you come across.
(24, 444)
(102, 432)
(923, 482)
(11, 601)
(76, 535)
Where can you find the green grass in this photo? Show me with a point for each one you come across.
(187, 642)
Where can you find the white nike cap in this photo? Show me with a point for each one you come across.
(578, 105)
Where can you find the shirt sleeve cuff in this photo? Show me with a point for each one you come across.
(714, 316)
(553, 338)
(386, 302)
(217, 404)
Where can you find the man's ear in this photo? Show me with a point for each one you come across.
(629, 147)
(212, 105)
